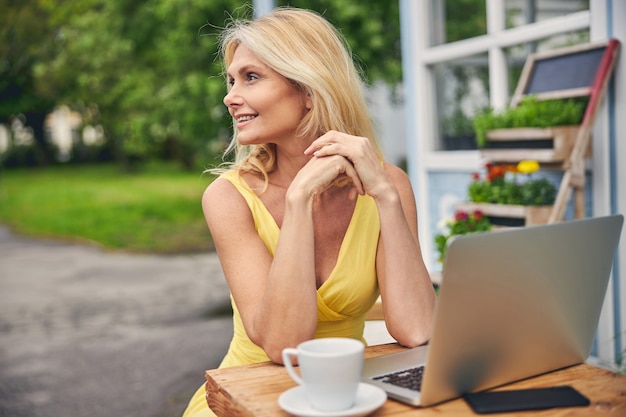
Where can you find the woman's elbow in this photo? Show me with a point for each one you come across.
(275, 355)
(411, 337)
(274, 349)
(413, 340)
(276, 358)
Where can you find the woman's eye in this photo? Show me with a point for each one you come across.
(252, 76)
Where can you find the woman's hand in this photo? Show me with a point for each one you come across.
(324, 172)
(360, 153)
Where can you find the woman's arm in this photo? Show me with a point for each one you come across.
(278, 306)
(405, 285)
(276, 296)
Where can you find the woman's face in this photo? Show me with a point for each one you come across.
(265, 107)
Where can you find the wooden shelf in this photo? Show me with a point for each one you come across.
(531, 215)
(544, 145)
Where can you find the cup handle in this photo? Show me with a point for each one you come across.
(287, 354)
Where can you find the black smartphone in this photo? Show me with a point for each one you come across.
(488, 402)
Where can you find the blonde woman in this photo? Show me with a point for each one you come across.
(310, 224)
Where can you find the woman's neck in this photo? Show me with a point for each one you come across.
(288, 163)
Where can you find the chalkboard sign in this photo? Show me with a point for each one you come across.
(564, 72)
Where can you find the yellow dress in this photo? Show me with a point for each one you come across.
(342, 300)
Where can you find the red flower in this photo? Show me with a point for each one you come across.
(476, 176)
(478, 215)
(460, 216)
(494, 172)
(497, 171)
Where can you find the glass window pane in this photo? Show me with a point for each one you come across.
(521, 12)
(462, 90)
(463, 19)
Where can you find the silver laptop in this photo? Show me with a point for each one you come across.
(513, 304)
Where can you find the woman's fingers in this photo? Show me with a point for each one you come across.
(357, 150)
(337, 143)
(335, 169)
(320, 174)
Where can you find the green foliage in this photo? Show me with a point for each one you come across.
(372, 29)
(147, 70)
(157, 210)
(462, 224)
(537, 192)
(25, 38)
(502, 185)
(465, 19)
(495, 192)
(529, 113)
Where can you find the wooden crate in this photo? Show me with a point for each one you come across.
(529, 215)
(544, 145)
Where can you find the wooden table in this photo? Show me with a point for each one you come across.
(253, 391)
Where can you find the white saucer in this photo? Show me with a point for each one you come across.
(368, 399)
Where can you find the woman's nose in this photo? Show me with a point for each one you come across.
(232, 99)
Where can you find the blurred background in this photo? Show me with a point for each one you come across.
(128, 95)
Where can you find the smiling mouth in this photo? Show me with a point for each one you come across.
(244, 118)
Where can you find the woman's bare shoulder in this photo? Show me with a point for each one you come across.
(220, 197)
(219, 188)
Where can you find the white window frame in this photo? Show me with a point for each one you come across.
(419, 59)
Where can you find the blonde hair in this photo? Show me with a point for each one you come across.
(309, 52)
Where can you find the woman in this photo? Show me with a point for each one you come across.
(309, 223)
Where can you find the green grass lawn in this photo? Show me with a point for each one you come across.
(155, 210)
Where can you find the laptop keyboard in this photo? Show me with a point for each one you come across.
(408, 378)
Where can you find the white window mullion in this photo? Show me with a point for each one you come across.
(419, 100)
(498, 80)
(510, 37)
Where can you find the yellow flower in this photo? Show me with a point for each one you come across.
(528, 167)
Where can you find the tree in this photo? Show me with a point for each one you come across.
(143, 70)
(24, 40)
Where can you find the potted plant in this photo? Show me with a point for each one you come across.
(464, 222)
(529, 113)
(510, 196)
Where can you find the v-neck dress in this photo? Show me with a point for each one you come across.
(342, 300)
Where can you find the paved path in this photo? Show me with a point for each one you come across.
(87, 333)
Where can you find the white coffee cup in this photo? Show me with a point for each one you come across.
(331, 370)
